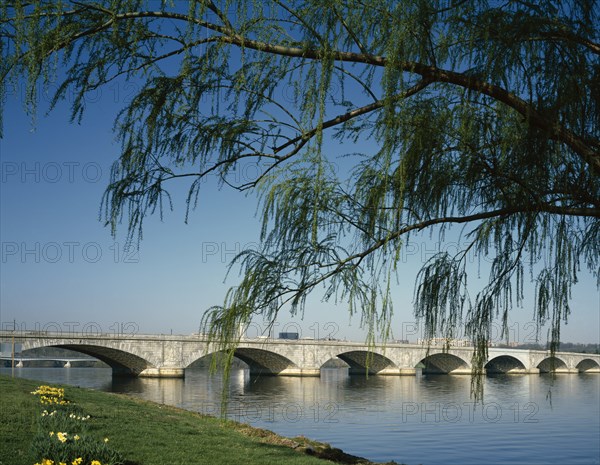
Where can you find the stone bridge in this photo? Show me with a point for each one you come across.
(169, 356)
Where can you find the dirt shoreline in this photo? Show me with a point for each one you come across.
(304, 445)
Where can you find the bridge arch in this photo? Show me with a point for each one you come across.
(121, 362)
(444, 363)
(259, 361)
(504, 364)
(263, 361)
(362, 361)
(551, 364)
(588, 365)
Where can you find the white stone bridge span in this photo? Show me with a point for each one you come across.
(169, 356)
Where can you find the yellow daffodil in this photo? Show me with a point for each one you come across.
(96, 462)
(62, 437)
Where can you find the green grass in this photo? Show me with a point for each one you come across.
(151, 434)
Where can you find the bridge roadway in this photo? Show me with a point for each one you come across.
(169, 356)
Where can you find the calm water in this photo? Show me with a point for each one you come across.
(429, 420)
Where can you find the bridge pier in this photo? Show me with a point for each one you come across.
(565, 371)
(397, 372)
(300, 372)
(523, 371)
(408, 371)
(163, 373)
(460, 371)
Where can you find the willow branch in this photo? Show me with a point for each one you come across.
(554, 128)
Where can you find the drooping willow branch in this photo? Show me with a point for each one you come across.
(589, 151)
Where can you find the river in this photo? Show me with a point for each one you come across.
(428, 420)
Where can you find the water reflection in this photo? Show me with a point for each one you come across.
(424, 419)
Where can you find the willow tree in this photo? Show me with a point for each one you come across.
(483, 115)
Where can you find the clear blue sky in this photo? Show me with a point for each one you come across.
(61, 269)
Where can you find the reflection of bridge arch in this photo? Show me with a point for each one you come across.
(444, 363)
(505, 364)
(588, 366)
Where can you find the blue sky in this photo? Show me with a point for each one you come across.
(62, 270)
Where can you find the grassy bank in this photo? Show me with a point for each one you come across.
(151, 434)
